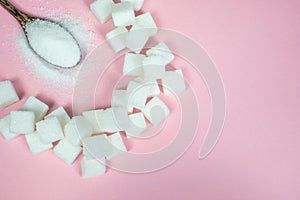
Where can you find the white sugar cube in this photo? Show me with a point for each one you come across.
(61, 115)
(136, 95)
(139, 92)
(173, 82)
(136, 39)
(92, 168)
(35, 144)
(87, 154)
(123, 14)
(21, 122)
(119, 99)
(139, 79)
(38, 107)
(67, 151)
(151, 87)
(92, 117)
(117, 38)
(4, 128)
(102, 9)
(49, 130)
(161, 50)
(138, 120)
(97, 146)
(138, 125)
(121, 118)
(118, 146)
(134, 131)
(156, 111)
(8, 94)
(107, 121)
(137, 4)
(133, 64)
(153, 60)
(153, 68)
(145, 22)
(77, 129)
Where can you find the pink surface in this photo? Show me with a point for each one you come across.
(255, 45)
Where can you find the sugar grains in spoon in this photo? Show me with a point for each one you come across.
(53, 43)
(49, 40)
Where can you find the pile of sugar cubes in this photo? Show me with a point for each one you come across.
(98, 134)
(147, 70)
(71, 136)
(131, 31)
(95, 133)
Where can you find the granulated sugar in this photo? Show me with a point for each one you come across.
(45, 72)
(53, 43)
(40, 69)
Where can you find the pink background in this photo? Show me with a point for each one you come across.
(256, 47)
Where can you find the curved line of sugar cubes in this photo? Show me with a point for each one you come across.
(81, 133)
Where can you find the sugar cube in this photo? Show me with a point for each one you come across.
(133, 64)
(118, 146)
(136, 39)
(92, 168)
(117, 38)
(121, 118)
(107, 121)
(97, 146)
(151, 87)
(4, 128)
(153, 60)
(21, 122)
(77, 129)
(123, 14)
(67, 151)
(87, 154)
(153, 68)
(138, 125)
(8, 94)
(136, 95)
(156, 111)
(38, 107)
(92, 117)
(119, 98)
(138, 120)
(139, 92)
(35, 144)
(145, 22)
(134, 131)
(61, 115)
(49, 130)
(161, 50)
(102, 9)
(137, 4)
(173, 82)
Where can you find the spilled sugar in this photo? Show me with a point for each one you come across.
(43, 71)
(53, 43)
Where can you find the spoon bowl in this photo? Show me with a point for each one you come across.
(52, 42)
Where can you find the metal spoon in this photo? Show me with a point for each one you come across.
(24, 20)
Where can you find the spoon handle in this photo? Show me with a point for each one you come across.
(22, 17)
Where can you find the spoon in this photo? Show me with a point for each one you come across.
(49, 40)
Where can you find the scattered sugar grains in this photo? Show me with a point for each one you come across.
(43, 71)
